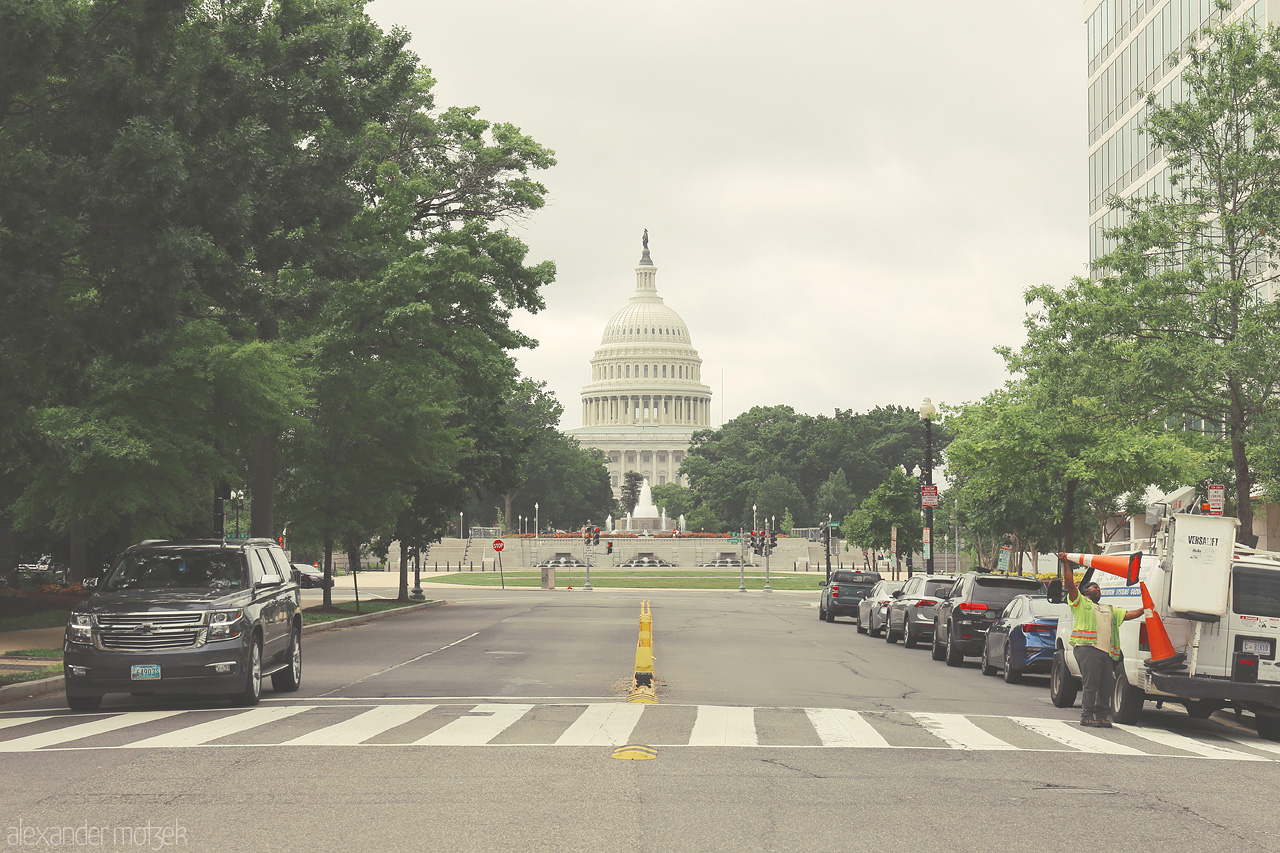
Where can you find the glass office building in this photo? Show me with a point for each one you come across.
(1130, 43)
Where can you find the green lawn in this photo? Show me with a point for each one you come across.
(39, 619)
(644, 579)
(34, 675)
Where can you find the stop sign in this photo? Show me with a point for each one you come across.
(497, 544)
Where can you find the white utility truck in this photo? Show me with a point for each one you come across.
(1220, 605)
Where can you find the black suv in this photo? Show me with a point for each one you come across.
(961, 620)
(840, 597)
(187, 616)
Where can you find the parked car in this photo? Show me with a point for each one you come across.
(910, 616)
(1023, 638)
(309, 577)
(873, 611)
(840, 595)
(961, 621)
(187, 616)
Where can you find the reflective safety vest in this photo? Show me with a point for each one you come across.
(1084, 630)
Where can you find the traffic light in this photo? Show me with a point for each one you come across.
(826, 536)
(608, 547)
(773, 539)
(595, 536)
(586, 536)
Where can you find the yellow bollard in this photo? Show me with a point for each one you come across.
(644, 686)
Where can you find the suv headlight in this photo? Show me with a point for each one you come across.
(225, 624)
(80, 629)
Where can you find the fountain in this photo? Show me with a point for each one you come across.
(646, 516)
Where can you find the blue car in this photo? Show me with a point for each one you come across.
(1022, 640)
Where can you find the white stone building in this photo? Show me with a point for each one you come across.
(646, 397)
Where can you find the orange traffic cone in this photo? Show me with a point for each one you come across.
(1121, 565)
(1163, 657)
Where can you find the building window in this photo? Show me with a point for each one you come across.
(664, 371)
(628, 371)
(662, 479)
(631, 456)
(613, 480)
(646, 456)
(646, 371)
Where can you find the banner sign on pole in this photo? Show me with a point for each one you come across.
(1005, 551)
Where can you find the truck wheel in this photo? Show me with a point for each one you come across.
(1063, 686)
(955, 654)
(1268, 725)
(831, 615)
(252, 691)
(1126, 700)
(290, 679)
(822, 612)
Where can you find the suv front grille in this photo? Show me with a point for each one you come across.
(144, 632)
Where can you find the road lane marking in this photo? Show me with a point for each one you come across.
(1070, 735)
(1177, 741)
(402, 663)
(724, 726)
(83, 730)
(602, 725)
(476, 731)
(202, 733)
(839, 727)
(361, 727)
(609, 724)
(959, 732)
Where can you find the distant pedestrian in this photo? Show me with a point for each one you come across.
(1095, 642)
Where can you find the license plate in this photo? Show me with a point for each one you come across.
(144, 672)
(1255, 647)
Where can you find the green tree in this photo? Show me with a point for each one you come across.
(891, 504)
(1173, 315)
(834, 498)
(774, 495)
(632, 481)
(676, 499)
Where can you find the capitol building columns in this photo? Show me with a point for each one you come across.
(646, 397)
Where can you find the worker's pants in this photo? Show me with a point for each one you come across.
(1097, 681)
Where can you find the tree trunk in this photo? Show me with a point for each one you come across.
(1244, 483)
(328, 571)
(404, 573)
(353, 564)
(264, 484)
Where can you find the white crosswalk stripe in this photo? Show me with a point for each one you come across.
(961, 732)
(579, 723)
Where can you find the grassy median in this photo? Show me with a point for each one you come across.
(346, 609)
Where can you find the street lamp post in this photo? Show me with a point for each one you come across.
(768, 549)
(237, 498)
(537, 531)
(927, 411)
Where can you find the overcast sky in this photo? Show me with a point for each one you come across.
(845, 199)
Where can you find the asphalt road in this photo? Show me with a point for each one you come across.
(491, 723)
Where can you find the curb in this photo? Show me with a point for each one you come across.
(45, 686)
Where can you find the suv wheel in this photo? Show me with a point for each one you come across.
(955, 655)
(1063, 686)
(290, 679)
(253, 678)
(909, 639)
(890, 636)
(1126, 702)
(938, 652)
(1011, 675)
(987, 668)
